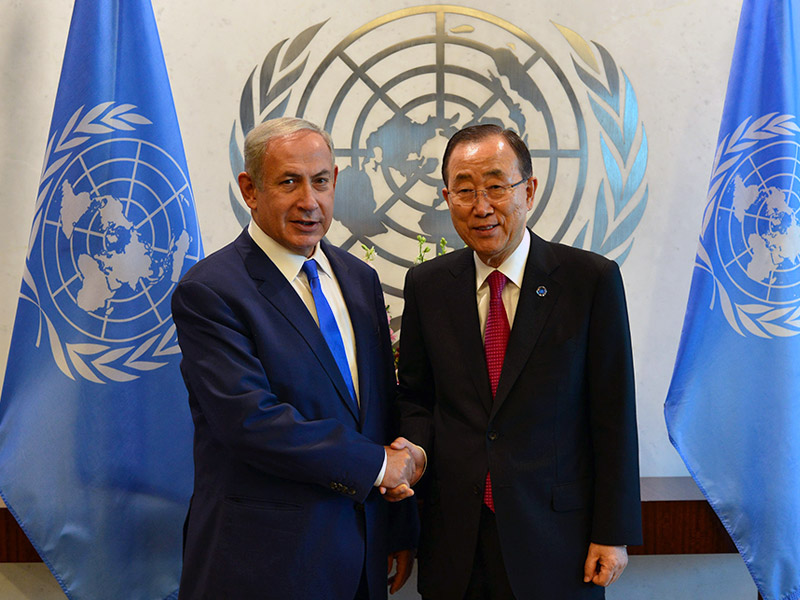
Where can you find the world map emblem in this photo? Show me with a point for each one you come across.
(113, 232)
(393, 91)
(751, 229)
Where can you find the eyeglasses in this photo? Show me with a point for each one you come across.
(496, 194)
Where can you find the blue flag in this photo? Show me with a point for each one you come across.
(733, 408)
(95, 430)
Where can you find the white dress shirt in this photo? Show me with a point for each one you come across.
(512, 267)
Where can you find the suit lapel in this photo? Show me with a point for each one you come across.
(280, 293)
(463, 311)
(533, 309)
(364, 330)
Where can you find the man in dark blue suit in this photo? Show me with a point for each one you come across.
(516, 376)
(287, 359)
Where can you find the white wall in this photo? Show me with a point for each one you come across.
(676, 53)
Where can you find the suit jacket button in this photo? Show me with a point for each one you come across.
(477, 490)
(359, 508)
(492, 436)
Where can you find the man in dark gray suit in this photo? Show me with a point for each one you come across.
(516, 376)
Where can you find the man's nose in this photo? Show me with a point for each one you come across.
(482, 206)
(307, 196)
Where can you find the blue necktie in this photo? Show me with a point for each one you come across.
(327, 324)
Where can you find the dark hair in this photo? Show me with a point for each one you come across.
(477, 133)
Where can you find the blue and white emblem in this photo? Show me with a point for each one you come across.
(112, 235)
(750, 240)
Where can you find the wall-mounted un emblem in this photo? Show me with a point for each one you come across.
(391, 94)
(114, 230)
(751, 231)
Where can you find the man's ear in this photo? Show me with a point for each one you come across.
(530, 190)
(248, 188)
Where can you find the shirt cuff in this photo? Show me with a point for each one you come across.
(383, 469)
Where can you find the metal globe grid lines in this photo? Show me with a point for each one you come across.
(444, 74)
(394, 88)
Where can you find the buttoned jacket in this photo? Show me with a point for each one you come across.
(284, 505)
(559, 438)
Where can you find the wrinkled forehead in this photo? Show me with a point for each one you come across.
(482, 159)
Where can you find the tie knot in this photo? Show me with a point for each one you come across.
(310, 269)
(497, 281)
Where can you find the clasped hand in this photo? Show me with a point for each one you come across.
(405, 463)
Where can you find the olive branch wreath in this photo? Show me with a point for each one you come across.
(761, 320)
(95, 362)
(264, 98)
(620, 201)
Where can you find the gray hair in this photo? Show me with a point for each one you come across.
(255, 144)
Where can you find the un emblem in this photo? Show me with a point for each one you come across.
(114, 231)
(751, 232)
(392, 93)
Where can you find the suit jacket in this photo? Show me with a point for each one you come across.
(559, 438)
(284, 505)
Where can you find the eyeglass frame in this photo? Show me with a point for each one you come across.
(454, 195)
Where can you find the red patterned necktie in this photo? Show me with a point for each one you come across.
(495, 341)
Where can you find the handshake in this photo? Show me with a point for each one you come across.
(405, 463)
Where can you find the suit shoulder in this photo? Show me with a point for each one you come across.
(582, 261)
(215, 266)
(343, 255)
(434, 268)
(354, 264)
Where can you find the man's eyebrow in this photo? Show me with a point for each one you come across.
(323, 173)
(295, 175)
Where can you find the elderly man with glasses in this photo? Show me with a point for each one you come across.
(516, 376)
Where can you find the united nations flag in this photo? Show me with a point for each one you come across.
(733, 408)
(95, 430)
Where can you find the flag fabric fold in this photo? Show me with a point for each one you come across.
(95, 429)
(733, 407)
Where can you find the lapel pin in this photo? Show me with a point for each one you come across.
(541, 291)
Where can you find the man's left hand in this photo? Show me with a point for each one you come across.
(405, 563)
(604, 564)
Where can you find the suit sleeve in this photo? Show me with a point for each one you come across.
(417, 391)
(232, 396)
(617, 505)
(403, 533)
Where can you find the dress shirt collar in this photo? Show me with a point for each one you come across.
(288, 263)
(512, 267)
